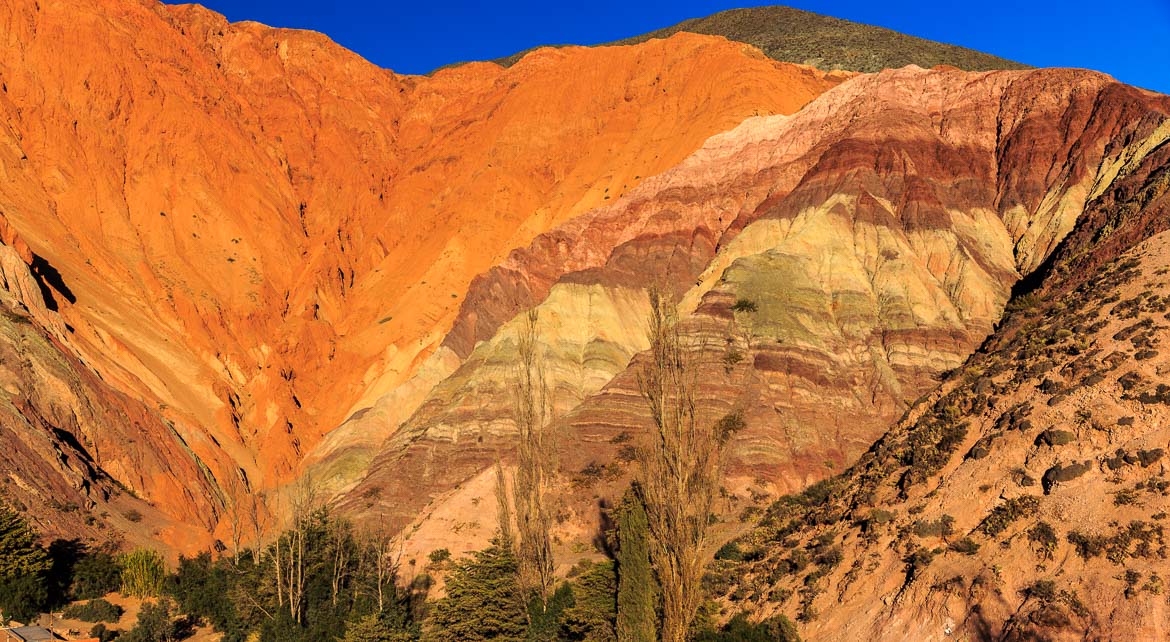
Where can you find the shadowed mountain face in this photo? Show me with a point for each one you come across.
(792, 35)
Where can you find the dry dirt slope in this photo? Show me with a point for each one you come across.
(1027, 498)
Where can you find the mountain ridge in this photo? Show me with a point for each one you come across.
(803, 37)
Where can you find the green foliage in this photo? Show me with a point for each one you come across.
(744, 305)
(438, 556)
(91, 573)
(1003, 515)
(97, 610)
(741, 629)
(239, 599)
(103, 634)
(24, 568)
(483, 600)
(155, 624)
(966, 546)
(1043, 540)
(593, 614)
(544, 620)
(374, 628)
(143, 573)
(637, 595)
(200, 587)
(941, 527)
(730, 551)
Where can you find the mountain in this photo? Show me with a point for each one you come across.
(262, 234)
(793, 35)
(875, 237)
(1025, 497)
(235, 260)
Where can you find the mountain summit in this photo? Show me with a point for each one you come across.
(793, 35)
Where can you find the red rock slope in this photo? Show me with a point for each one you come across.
(258, 230)
(1027, 498)
(876, 235)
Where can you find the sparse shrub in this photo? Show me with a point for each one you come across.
(1043, 539)
(941, 527)
(744, 305)
(103, 634)
(1043, 590)
(1087, 546)
(439, 555)
(1003, 515)
(1125, 497)
(917, 561)
(730, 552)
(966, 546)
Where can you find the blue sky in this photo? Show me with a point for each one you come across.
(1129, 39)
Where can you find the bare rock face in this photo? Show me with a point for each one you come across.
(258, 234)
(1026, 497)
(835, 263)
(63, 446)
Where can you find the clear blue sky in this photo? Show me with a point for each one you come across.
(1129, 39)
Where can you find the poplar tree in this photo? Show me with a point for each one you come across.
(680, 470)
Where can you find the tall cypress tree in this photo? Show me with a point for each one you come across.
(637, 598)
(24, 568)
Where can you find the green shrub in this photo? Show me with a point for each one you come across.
(744, 305)
(1087, 546)
(941, 527)
(729, 551)
(966, 546)
(155, 624)
(439, 555)
(24, 568)
(1003, 515)
(103, 634)
(1043, 539)
(741, 629)
(97, 610)
(143, 572)
(96, 573)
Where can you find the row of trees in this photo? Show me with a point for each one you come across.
(36, 579)
(324, 579)
(663, 522)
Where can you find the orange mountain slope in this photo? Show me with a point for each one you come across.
(256, 232)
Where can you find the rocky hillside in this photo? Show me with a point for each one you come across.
(235, 257)
(63, 443)
(837, 262)
(1025, 498)
(262, 234)
(792, 35)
